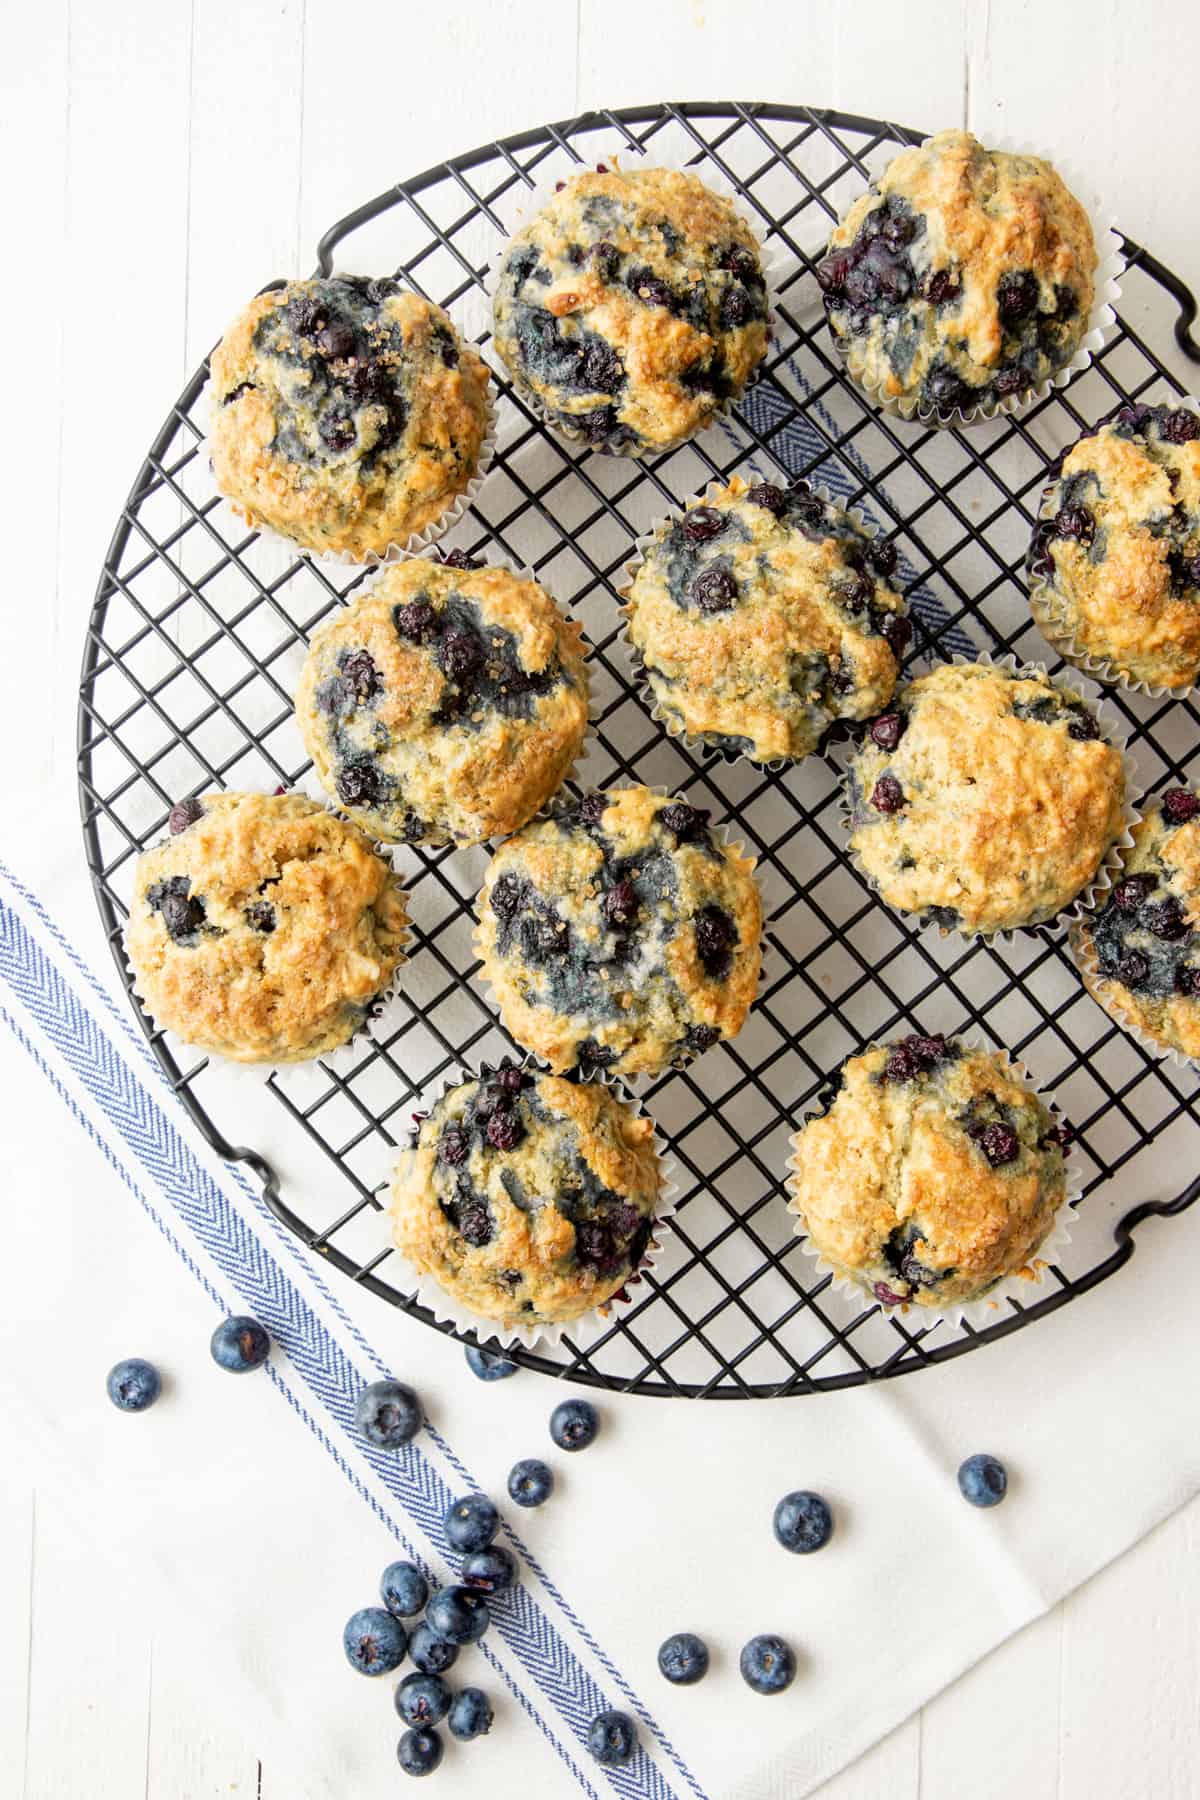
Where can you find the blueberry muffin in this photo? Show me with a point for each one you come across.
(1140, 950)
(346, 414)
(263, 928)
(763, 615)
(984, 798)
(632, 307)
(446, 703)
(528, 1199)
(620, 934)
(1115, 561)
(961, 277)
(935, 1173)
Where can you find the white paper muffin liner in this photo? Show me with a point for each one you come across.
(1048, 608)
(414, 545)
(984, 1310)
(589, 1326)
(1103, 992)
(1110, 266)
(674, 727)
(633, 1082)
(668, 150)
(310, 784)
(1114, 732)
(264, 1071)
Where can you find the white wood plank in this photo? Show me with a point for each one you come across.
(16, 1584)
(193, 1753)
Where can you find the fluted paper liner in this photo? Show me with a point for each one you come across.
(1021, 1285)
(1104, 992)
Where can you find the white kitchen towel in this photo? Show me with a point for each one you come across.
(255, 1514)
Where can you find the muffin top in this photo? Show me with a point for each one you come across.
(620, 934)
(632, 306)
(762, 615)
(1120, 554)
(935, 1172)
(962, 276)
(985, 798)
(263, 927)
(529, 1199)
(1145, 938)
(446, 703)
(346, 413)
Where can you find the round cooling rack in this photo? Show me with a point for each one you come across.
(196, 637)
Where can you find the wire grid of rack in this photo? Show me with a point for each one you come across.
(198, 629)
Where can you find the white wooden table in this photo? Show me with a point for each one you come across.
(163, 160)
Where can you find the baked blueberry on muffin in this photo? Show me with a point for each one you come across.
(1115, 561)
(264, 927)
(935, 1173)
(446, 703)
(985, 798)
(528, 1198)
(1139, 951)
(346, 413)
(620, 934)
(764, 614)
(961, 277)
(632, 307)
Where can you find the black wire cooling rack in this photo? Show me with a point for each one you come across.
(197, 631)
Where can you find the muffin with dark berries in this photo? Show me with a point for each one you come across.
(446, 703)
(621, 934)
(935, 1172)
(529, 1199)
(962, 278)
(264, 928)
(347, 414)
(763, 615)
(1114, 566)
(632, 307)
(985, 798)
(1139, 951)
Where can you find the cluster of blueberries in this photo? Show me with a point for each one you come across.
(376, 1639)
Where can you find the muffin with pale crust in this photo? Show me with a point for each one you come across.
(446, 703)
(347, 414)
(761, 616)
(620, 933)
(984, 798)
(935, 1173)
(632, 307)
(1139, 950)
(1115, 561)
(962, 277)
(264, 927)
(528, 1199)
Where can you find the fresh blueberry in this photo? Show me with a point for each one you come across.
(612, 1739)
(530, 1482)
(458, 1614)
(471, 1714)
(183, 814)
(419, 1752)
(490, 1571)
(403, 1589)
(133, 1385)
(430, 1653)
(374, 1641)
(422, 1699)
(768, 1665)
(388, 1414)
(683, 1658)
(239, 1344)
(471, 1523)
(983, 1480)
(574, 1424)
(489, 1365)
(803, 1522)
